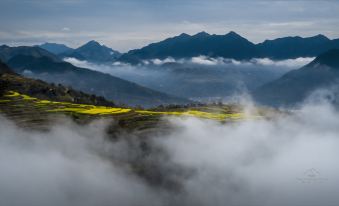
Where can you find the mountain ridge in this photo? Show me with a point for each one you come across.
(93, 51)
(295, 86)
(202, 43)
(55, 48)
(119, 90)
(11, 81)
(231, 45)
(7, 52)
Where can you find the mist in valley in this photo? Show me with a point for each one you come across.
(290, 159)
(199, 78)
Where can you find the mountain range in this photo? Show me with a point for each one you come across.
(293, 87)
(232, 46)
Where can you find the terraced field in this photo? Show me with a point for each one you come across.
(26, 109)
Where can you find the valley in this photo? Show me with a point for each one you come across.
(169, 103)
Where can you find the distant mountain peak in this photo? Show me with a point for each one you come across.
(233, 34)
(184, 35)
(202, 34)
(55, 48)
(92, 43)
(93, 51)
(321, 37)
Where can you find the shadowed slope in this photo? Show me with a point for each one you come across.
(296, 85)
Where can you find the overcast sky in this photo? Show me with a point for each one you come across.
(128, 24)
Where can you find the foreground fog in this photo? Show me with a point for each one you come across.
(291, 160)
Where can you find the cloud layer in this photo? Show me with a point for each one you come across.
(207, 61)
(288, 161)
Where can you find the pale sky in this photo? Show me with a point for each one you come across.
(129, 24)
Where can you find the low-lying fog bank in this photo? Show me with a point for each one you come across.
(201, 77)
(290, 160)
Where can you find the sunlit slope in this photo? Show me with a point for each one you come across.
(17, 101)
